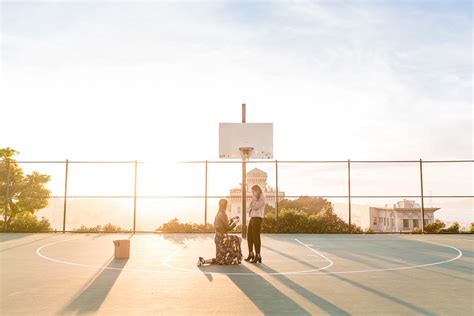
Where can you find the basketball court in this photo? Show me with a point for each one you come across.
(301, 274)
(44, 274)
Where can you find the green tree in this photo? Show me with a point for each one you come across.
(434, 227)
(305, 215)
(452, 229)
(27, 222)
(308, 204)
(27, 193)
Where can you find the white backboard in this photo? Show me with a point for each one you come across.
(232, 136)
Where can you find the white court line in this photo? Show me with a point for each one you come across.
(267, 259)
(165, 263)
(182, 270)
(316, 252)
(400, 268)
(38, 252)
(313, 272)
(167, 258)
(174, 253)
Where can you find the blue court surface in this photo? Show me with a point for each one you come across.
(301, 274)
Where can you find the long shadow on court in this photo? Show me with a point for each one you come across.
(304, 292)
(345, 255)
(95, 292)
(427, 269)
(11, 236)
(263, 294)
(282, 253)
(93, 295)
(291, 283)
(26, 243)
(384, 295)
(424, 253)
(330, 308)
(433, 252)
(467, 253)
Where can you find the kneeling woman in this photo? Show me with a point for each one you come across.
(227, 246)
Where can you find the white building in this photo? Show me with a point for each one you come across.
(255, 176)
(404, 216)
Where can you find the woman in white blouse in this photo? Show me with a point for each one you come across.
(256, 209)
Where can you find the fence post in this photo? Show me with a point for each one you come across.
(349, 187)
(7, 194)
(135, 198)
(422, 199)
(205, 200)
(65, 195)
(276, 195)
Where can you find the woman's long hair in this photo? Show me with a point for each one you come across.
(257, 189)
(222, 205)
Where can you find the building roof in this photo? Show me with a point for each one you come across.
(256, 171)
(406, 209)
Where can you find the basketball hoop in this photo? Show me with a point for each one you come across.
(245, 152)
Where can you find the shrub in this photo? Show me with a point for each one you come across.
(451, 229)
(174, 226)
(84, 229)
(26, 222)
(435, 227)
(269, 223)
(107, 228)
(416, 230)
(294, 221)
(289, 221)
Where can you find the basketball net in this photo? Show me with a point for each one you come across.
(245, 152)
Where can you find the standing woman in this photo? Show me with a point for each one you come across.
(257, 207)
(227, 246)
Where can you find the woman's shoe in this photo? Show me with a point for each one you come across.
(257, 258)
(250, 257)
(200, 261)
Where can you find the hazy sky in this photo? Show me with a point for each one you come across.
(152, 79)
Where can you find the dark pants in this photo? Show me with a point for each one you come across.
(253, 234)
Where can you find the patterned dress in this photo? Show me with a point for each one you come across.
(228, 249)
